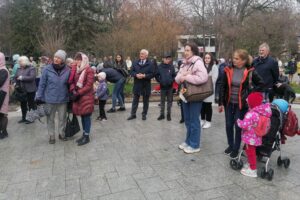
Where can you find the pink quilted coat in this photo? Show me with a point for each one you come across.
(250, 121)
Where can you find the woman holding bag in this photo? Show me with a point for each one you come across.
(192, 71)
(82, 94)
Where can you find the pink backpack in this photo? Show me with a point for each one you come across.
(263, 126)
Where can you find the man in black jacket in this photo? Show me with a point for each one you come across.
(142, 71)
(114, 76)
(165, 76)
(267, 68)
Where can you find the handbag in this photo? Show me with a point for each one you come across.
(19, 93)
(2, 97)
(200, 92)
(72, 126)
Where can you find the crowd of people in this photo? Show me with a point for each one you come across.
(72, 84)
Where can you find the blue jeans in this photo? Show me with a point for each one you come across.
(232, 113)
(191, 112)
(86, 123)
(118, 88)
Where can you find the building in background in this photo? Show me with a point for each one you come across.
(210, 41)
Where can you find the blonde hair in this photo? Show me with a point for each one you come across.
(244, 55)
(24, 61)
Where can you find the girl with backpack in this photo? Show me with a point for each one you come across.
(255, 123)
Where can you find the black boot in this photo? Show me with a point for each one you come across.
(3, 134)
(85, 140)
(169, 117)
(79, 140)
(161, 117)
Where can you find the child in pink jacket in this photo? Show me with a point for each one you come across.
(249, 137)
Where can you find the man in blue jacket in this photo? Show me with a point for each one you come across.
(165, 75)
(267, 68)
(142, 71)
(53, 90)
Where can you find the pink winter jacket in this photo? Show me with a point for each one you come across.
(196, 74)
(5, 86)
(250, 121)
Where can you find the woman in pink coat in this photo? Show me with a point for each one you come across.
(248, 124)
(192, 71)
(4, 96)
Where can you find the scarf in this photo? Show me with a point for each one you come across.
(82, 70)
(2, 60)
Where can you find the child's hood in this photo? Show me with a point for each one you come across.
(264, 109)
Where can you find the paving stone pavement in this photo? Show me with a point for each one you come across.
(134, 160)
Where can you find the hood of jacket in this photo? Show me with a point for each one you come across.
(264, 110)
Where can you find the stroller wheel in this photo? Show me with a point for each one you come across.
(234, 164)
(240, 164)
(263, 173)
(286, 163)
(279, 161)
(270, 174)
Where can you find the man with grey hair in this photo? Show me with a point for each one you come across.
(142, 71)
(267, 68)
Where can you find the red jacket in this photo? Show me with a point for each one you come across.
(85, 104)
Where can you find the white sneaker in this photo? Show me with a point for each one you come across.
(191, 150)
(249, 172)
(207, 125)
(202, 122)
(183, 146)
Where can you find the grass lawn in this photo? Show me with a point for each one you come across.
(127, 88)
(296, 87)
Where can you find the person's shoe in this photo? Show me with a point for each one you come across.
(112, 110)
(249, 172)
(121, 109)
(144, 117)
(183, 145)
(78, 140)
(52, 140)
(28, 122)
(181, 121)
(234, 154)
(168, 117)
(103, 119)
(98, 118)
(22, 121)
(131, 117)
(62, 138)
(161, 117)
(207, 125)
(85, 140)
(190, 150)
(228, 151)
(3, 134)
(202, 122)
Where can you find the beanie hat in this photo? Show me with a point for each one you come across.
(61, 54)
(102, 75)
(255, 99)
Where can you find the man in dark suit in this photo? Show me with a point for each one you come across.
(142, 71)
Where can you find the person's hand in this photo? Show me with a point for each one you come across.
(278, 85)
(39, 102)
(74, 96)
(221, 109)
(182, 79)
(19, 78)
(139, 76)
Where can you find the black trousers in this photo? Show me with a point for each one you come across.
(135, 104)
(166, 93)
(28, 105)
(206, 111)
(101, 109)
(3, 122)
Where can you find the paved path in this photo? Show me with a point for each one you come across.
(133, 160)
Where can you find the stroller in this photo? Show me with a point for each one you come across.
(270, 142)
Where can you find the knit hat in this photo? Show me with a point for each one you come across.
(102, 75)
(61, 54)
(255, 99)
